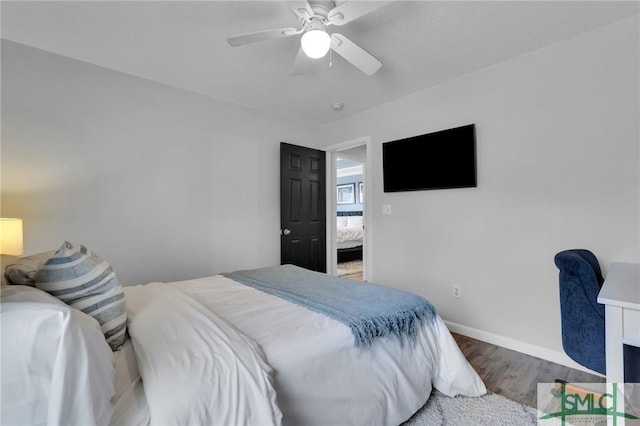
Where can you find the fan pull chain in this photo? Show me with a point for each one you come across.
(330, 59)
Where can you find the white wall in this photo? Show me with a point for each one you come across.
(163, 183)
(558, 168)
(171, 185)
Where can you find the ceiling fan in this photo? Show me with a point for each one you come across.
(314, 16)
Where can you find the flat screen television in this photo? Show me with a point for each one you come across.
(439, 160)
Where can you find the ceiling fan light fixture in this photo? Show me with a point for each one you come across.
(315, 43)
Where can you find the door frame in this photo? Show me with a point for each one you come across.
(332, 205)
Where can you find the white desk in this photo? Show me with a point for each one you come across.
(620, 294)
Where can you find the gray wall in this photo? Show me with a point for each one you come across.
(164, 184)
(558, 168)
(170, 185)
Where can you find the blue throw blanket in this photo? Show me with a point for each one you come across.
(369, 310)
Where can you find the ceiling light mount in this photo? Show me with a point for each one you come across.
(337, 106)
(321, 8)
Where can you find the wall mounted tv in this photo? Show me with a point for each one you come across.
(439, 160)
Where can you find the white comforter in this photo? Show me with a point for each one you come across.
(320, 377)
(197, 369)
(56, 364)
(349, 234)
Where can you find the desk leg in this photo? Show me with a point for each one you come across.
(613, 344)
(614, 357)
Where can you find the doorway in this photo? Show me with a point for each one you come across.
(349, 214)
(348, 248)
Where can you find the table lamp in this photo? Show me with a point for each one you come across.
(11, 236)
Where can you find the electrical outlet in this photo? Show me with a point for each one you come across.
(456, 291)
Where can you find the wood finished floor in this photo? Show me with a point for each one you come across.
(515, 375)
(351, 270)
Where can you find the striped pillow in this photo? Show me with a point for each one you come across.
(84, 281)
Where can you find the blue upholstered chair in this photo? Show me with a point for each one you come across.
(582, 315)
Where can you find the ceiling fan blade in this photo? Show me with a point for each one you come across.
(301, 63)
(241, 40)
(301, 8)
(353, 53)
(353, 9)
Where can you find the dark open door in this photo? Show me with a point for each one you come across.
(302, 207)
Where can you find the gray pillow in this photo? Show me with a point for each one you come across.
(5, 260)
(22, 270)
(84, 281)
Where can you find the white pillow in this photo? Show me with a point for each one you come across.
(83, 280)
(342, 221)
(354, 222)
(56, 365)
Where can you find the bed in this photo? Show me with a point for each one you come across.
(349, 237)
(218, 350)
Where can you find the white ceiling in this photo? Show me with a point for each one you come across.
(182, 44)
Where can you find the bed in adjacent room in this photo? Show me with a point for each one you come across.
(349, 236)
(248, 347)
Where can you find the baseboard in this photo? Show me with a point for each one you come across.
(518, 346)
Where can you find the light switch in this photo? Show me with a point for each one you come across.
(386, 209)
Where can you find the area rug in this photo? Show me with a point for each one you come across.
(488, 410)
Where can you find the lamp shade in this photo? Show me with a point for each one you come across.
(315, 43)
(11, 236)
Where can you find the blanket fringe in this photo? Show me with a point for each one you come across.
(403, 324)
